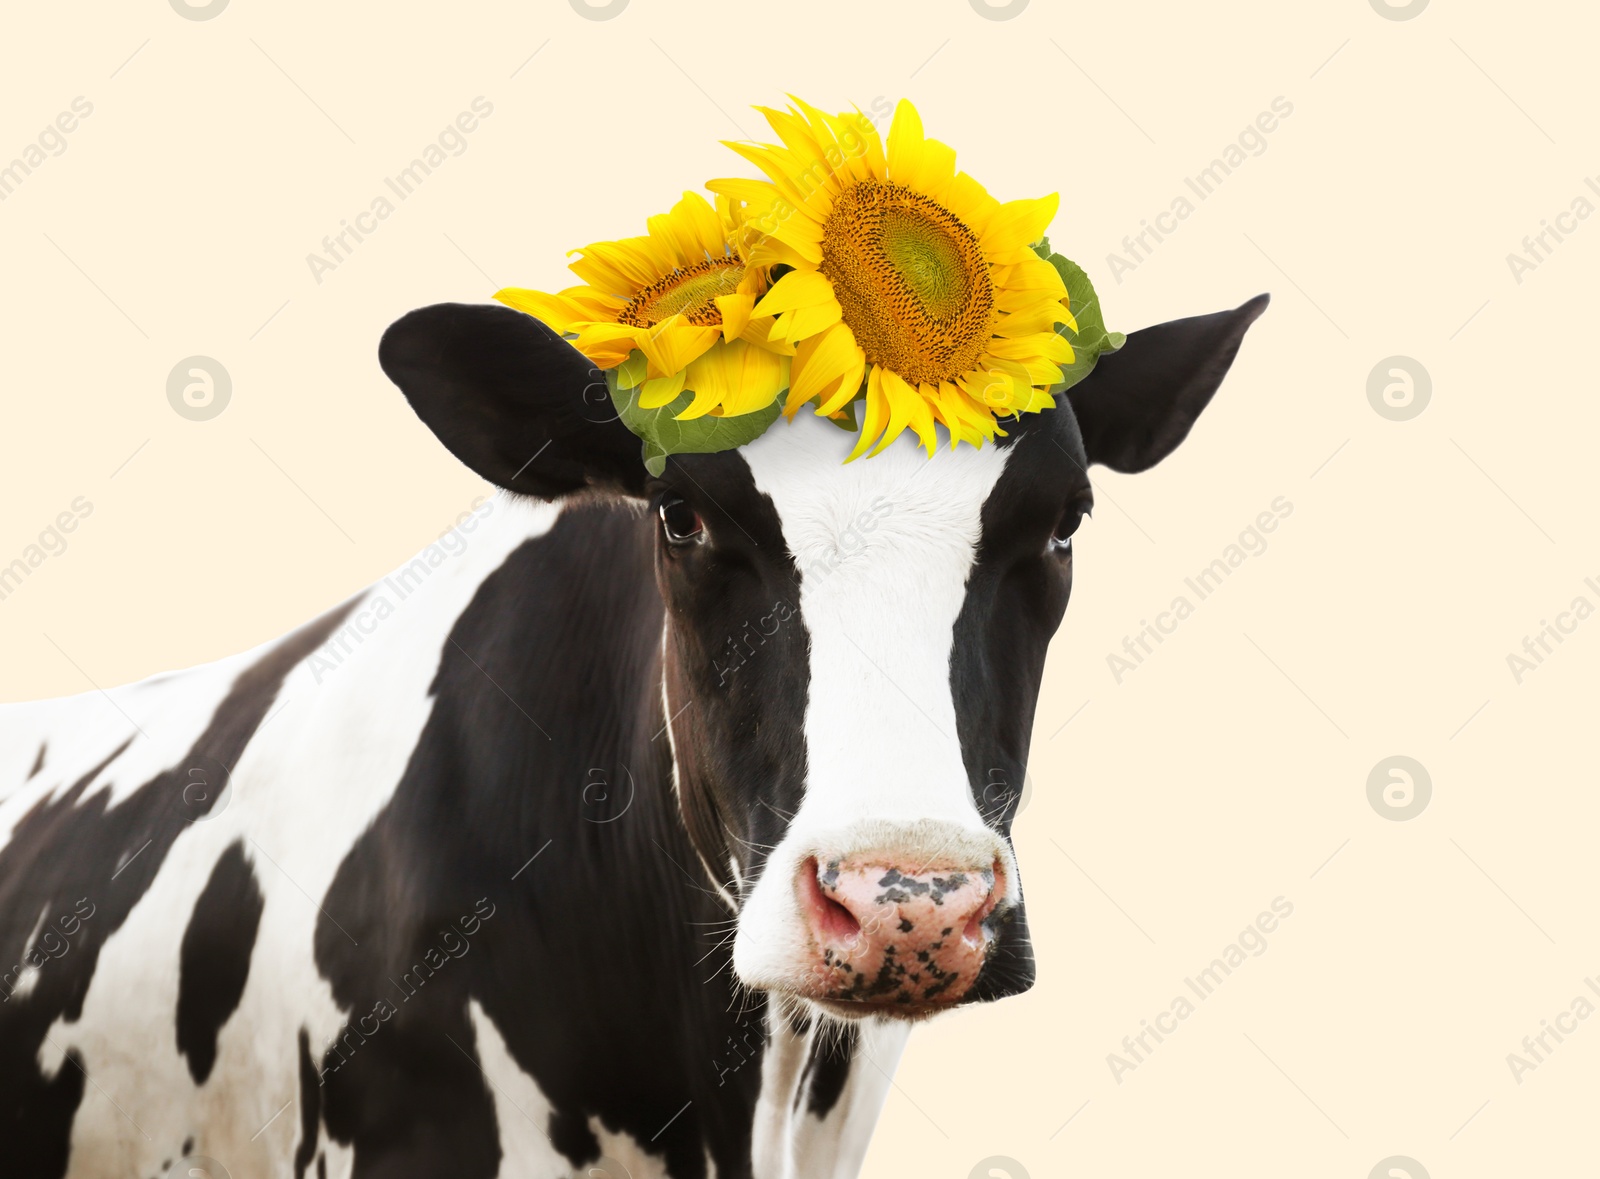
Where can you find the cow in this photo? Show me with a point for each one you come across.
(625, 832)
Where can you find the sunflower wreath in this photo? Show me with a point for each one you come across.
(854, 272)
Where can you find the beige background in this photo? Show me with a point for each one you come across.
(1169, 809)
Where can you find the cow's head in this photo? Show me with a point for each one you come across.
(853, 651)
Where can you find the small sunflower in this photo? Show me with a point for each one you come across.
(678, 301)
(900, 278)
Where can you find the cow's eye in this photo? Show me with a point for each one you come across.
(1071, 516)
(680, 523)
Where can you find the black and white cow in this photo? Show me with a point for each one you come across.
(625, 832)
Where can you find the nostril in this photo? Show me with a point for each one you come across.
(837, 922)
(832, 921)
(973, 934)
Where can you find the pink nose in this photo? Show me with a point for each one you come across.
(896, 939)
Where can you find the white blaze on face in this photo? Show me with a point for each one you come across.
(885, 546)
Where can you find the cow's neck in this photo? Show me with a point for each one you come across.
(543, 782)
(823, 1088)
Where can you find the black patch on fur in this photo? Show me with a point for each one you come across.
(38, 763)
(570, 1134)
(80, 857)
(739, 677)
(592, 962)
(310, 1110)
(1016, 596)
(828, 1067)
(1134, 408)
(214, 957)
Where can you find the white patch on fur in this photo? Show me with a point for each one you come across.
(885, 546)
(312, 779)
(521, 1109)
(790, 1142)
(27, 973)
(523, 1114)
(835, 1147)
(82, 731)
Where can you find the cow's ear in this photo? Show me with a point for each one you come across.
(1139, 402)
(512, 400)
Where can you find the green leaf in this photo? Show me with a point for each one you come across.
(1091, 340)
(664, 435)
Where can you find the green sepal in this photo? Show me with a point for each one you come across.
(1091, 340)
(661, 431)
(847, 419)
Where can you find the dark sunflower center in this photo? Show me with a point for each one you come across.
(688, 291)
(911, 280)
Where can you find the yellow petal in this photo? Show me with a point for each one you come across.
(603, 355)
(1038, 319)
(706, 398)
(922, 418)
(992, 389)
(759, 332)
(874, 416)
(1032, 274)
(1038, 401)
(777, 164)
(846, 391)
(796, 134)
(607, 335)
(631, 372)
(709, 382)
(756, 375)
(732, 379)
(827, 365)
(735, 310)
(632, 262)
(808, 321)
(935, 169)
(661, 391)
(769, 250)
(671, 344)
(798, 288)
(753, 192)
(1018, 224)
(859, 130)
(857, 140)
(966, 420)
(970, 201)
(677, 235)
(1042, 345)
(903, 401)
(905, 142)
(695, 213)
(559, 312)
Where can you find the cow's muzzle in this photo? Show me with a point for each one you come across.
(893, 938)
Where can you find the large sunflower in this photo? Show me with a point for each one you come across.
(906, 280)
(678, 301)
